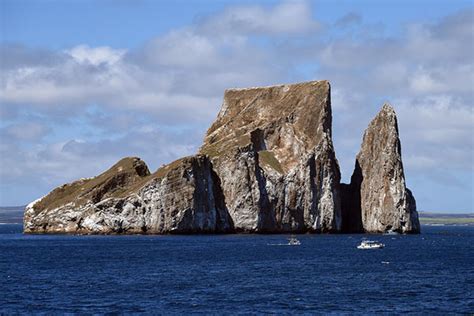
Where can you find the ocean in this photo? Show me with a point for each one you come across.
(431, 273)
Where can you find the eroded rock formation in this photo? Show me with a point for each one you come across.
(267, 165)
(377, 199)
(182, 197)
(272, 150)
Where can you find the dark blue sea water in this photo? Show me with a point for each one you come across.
(431, 273)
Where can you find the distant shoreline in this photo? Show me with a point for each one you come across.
(11, 214)
(438, 219)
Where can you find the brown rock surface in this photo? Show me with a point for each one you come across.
(273, 151)
(182, 197)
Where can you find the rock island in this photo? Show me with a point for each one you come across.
(267, 165)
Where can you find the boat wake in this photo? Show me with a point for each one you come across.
(292, 241)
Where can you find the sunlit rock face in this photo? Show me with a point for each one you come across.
(273, 152)
(182, 197)
(267, 165)
(377, 199)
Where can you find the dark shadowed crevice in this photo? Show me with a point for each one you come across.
(224, 222)
(351, 203)
(258, 140)
(266, 214)
(314, 190)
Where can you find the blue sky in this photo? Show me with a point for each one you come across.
(85, 83)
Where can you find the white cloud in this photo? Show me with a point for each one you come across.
(423, 82)
(96, 55)
(443, 78)
(29, 173)
(288, 17)
(182, 48)
(181, 75)
(439, 128)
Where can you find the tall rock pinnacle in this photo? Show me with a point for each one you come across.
(377, 199)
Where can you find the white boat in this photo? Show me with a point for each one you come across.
(370, 244)
(293, 242)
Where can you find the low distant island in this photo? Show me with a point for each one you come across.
(446, 219)
(267, 165)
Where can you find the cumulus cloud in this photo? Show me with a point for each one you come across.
(96, 55)
(33, 171)
(183, 71)
(439, 130)
(288, 17)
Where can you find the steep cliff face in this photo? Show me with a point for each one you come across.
(272, 150)
(182, 197)
(377, 199)
(267, 165)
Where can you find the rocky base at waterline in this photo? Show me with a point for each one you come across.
(267, 165)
